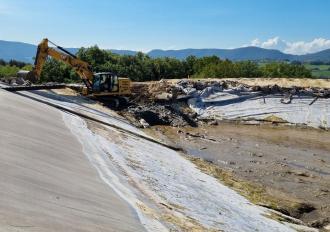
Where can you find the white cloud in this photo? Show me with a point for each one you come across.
(256, 43)
(298, 47)
(302, 47)
(270, 43)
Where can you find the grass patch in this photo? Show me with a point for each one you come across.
(319, 71)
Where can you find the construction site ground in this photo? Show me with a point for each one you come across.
(279, 166)
(286, 169)
(282, 166)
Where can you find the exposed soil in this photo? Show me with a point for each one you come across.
(157, 104)
(151, 114)
(286, 169)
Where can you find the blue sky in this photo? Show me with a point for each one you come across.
(296, 26)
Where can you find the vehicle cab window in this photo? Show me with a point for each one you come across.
(106, 82)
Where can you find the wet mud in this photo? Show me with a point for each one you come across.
(283, 168)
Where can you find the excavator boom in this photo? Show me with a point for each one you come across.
(82, 68)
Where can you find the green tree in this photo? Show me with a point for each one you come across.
(141, 67)
(8, 71)
(285, 70)
(56, 71)
(248, 69)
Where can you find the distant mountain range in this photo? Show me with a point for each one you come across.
(244, 53)
(25, 52)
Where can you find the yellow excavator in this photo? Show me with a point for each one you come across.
(96, 84)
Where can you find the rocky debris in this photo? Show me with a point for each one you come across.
(162, 90)
(15, 81)
(286, 99)
(151, 114)
(200, 136)
(190, 85)
(140, 91)
(157, 91)
(144, 123)
(321, 223)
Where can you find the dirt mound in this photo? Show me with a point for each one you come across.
(151, 114)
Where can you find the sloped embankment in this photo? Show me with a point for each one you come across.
(46, 181)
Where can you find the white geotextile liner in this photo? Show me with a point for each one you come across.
(166, 177)
(299, 111)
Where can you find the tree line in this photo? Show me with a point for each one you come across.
(141, 67)
(10, 68)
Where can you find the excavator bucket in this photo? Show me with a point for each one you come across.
(31, 76)
(27, 76)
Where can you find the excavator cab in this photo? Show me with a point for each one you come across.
(105, 82)
(109, 84)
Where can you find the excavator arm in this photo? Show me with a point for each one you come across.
(82, 68)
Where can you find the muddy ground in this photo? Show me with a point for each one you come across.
(287, 169)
